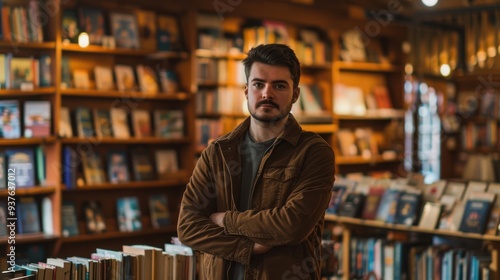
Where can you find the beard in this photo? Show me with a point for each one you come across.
(270, 119)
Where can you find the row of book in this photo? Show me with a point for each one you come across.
(115, 123)
(36, 119)
(480, 135)
(27, 165)
(25, 72)
(122, 77)
(451, 205)
(133, 29)
(22, 23)
(211, 70)
(85, 168)
(351, 100)
(142, 262)
(128, 215)
(223, 100)
(413, 260)
(482, 103)
(33, 215)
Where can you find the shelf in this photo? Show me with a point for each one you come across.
(320, 128)
(352, 160)
(323, 66)
(480, 150)
(117, 94)
(27, 141)
(127, 52)
(117, 234)
(217, 84)
(176, 179)
(32, 45)
(18, 92)
(30, 238)
(221, 115)
(414, 229)
(28, 191)
(132, 140)
(212, 54)
(367, 67)
(378, 115)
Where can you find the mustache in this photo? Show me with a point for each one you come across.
(267, 101)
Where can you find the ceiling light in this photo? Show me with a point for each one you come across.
(429, 3)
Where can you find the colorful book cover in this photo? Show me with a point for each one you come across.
(148, 80)
(476, 213)
(22, 161)
(129, 214)
(118, 167)
(159, 212)
(168, 34)
(352, 205)
(166, 163)
(169, 123)
(336, 199)
(65, 128)
(119, 123)
(94, 219)
(408, 208)
(125, 30)
(9, 121)
(102, 119)
(45, 71)
(142, 165)
(146, 21)
(92, 21)
(70, 30)
(141, 122)
(372, 202)
(125, 78)
(68, 219)
(388, 206)
(21, 71)
(84, 124)
(28, 215)
(92, 169)
(103, 78)
(37, 119)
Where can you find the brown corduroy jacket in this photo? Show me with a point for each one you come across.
(291, 192)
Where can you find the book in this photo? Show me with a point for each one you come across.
(158, 211)
(3, 219)
(408, 208)
(388, 205)
(45, 71)
(9, 121)
(141, 165)
(28, 215)
(338, 192)
(352, 205)
(146, 20)
(94, 219)
(372, 202)
(118, 167)
(92, 168)
(93, 23)
(65, 128)
(148, 81)
(22, 72)
(125, 78)
(166, 163)
(103, 78)
(168, 34)
(119, 123)
(476, 212)
(69, 221)
(84, 124)
(3, 176)
(37, 118)
(169, 123)
(430, 215)
(382, 97)
(141, 123)
(22, 162)
(129, 214)
(102, 122)
(81, 79)
(125, 30)
(70, 28)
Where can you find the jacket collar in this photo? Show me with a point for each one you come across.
(291, 133)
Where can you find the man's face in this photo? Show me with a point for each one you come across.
(270, 92)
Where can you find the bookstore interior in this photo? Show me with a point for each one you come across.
(106, 106)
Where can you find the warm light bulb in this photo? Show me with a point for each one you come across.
(445, 70)
(429, 3)
(408, 69)
(83, 40)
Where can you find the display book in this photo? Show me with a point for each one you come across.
(174, 261)
(443, 208)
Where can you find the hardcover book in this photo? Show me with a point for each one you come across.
(118, 167)
(92, 22)
(141, 123)
(94, 219)
(129, 214)
(125, 78)
(103, 125)
(68, 219)
(159, 212)
(148, 80)
(388, 205)
(336, 199)
(476, 212)
(84, 124)
(9, 121)
(372, 202)
(21, 72)
(352, 205)
(92, 169)
(70, 30)
(103, 78)
(142, 165)
(22, 160)
(125, 30)
(408, 208)
(28, 215)
(430, 215)
(169, 123)
(119, 123)
(37, 119)
(166, 163)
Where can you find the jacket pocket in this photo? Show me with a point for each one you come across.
(277, 183)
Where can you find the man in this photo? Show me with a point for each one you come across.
(256, 200)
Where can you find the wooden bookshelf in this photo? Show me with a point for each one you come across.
(27, 141)
(118, 94)
(117, 235)
(132, 140)
(367, 67)
(219, 55)
(30, 45)
(27, 238)
(18, 92)
(354, 160)
(30, 191)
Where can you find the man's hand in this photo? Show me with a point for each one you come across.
(218, 218)
(259, 248)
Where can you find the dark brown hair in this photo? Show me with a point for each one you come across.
(276, 55)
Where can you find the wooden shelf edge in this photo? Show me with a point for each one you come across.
(27, 141)
(36, 91)
(181, 96)
(366, 66)
(122, 51)
(117, 234)
(211, 54)
(415, 229)
(28, 45)
(320, 128)
(177, 179)
(30, 238)
(131, 140)
(347, 160)
(380, 115)
(26, 191)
